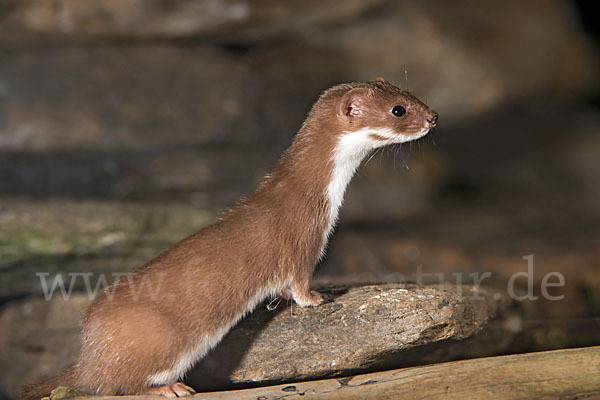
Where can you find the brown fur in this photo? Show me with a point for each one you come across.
(205, 282)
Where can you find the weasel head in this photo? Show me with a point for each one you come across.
(383, 112)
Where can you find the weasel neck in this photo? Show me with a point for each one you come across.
(307, 187)
(326, 163)
(346, 157)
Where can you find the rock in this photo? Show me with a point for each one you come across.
(91, 121)
(349, 41)
(235, 19)
(161, 119)
(96, 238)
(360, 327)
(459, 58)
(64, 392)
(146, 98)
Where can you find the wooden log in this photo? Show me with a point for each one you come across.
(572, 373)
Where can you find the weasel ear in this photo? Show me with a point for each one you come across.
(352, 103)
(380, 79)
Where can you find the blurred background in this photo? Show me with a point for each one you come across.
(126, 125)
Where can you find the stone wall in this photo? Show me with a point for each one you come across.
(163, 99)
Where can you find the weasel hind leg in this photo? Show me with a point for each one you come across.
(123, 350)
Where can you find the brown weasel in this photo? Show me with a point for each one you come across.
(147, 331)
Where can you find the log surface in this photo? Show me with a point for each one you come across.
(572, 373)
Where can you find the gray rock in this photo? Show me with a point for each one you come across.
(152, 97)
(96, 238)
(359, 328)
(234, 19)
(199, 120)
(103, 122)
(460, 59)
(147, 120)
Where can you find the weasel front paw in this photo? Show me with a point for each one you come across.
(316, 298)
(313, 299)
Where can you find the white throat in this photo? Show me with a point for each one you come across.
(347, 155)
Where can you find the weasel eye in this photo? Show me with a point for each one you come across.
(398, 111)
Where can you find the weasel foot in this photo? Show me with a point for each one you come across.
(175, 390)
(312, 300)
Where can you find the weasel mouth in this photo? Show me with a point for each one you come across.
(403, 138)
(420, 134)
(387, 136)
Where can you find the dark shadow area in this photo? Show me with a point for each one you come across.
(213, 372)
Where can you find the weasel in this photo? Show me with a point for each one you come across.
(146, 331)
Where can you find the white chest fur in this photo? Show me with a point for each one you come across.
(347, 155)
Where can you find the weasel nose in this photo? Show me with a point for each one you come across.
(433, 120)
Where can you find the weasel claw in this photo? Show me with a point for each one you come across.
(175, 390)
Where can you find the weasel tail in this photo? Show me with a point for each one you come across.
(43, 389)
